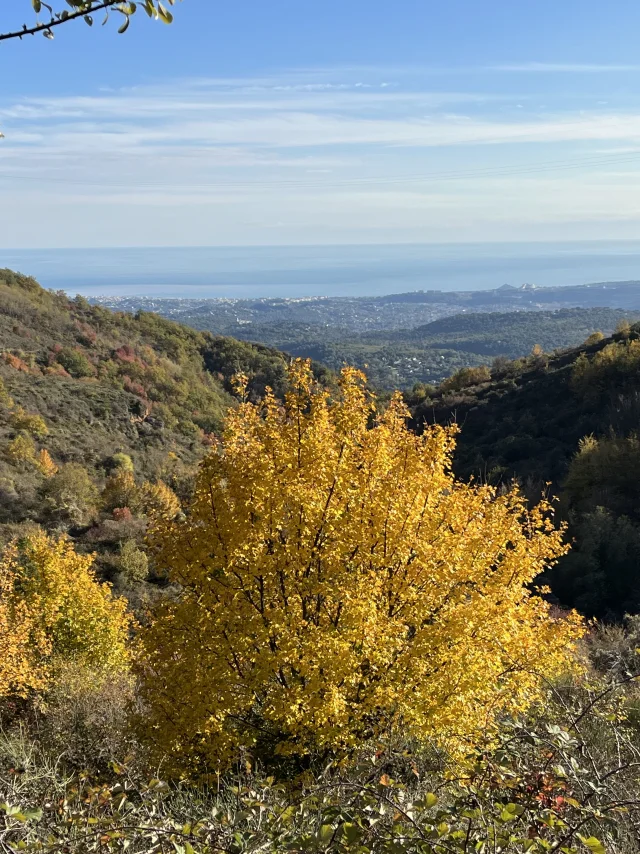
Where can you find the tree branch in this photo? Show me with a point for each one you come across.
(87, 8)
(55, 22)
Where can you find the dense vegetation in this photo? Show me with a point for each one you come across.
(430, 353)
(330, 643)
(90, 399)
(569, 420)
(389, 340)
(391, 713)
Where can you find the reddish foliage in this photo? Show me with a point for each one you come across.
(127, 354)
(56, 370)
(16, 362)
(134, 387)
(87, 334)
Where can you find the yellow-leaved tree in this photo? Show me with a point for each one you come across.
(54, 611)
(337, 582)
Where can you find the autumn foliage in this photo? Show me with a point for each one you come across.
(54, 611)
(337, 583)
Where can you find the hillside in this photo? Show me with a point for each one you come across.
(567, 422)
(388, 336)
(514, 333)
(431, 352)
(103, 417)
(88, 395)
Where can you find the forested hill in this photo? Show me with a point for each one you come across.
(569, 420)
(524, 418)
(388, 336)
(86, 393)
(514, 333)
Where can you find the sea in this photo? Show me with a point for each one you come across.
(305, 271)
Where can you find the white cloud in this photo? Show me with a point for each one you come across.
(291, 114)
(293, 129)
(322, 155)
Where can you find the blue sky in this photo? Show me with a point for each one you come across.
(335, 122)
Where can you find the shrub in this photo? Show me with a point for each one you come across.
(466, 377)
(52, 610)
(121, 462)
(120, 490)
(530, 789)
(594, 338)
(22, 449)
(337, 581)
(5, 398)
(134, 563)
(84, 718)
(75, 363)
(157, 500)
(613, 368)
(22, 640)
(29, 423)
(71, 494)
(623, 329)
(46, 465)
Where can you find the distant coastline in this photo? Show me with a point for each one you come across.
(317, 271)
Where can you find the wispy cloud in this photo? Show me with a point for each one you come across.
(315, 151)
(564, 67)
(284, 129)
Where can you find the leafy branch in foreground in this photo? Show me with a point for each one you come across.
(86, 9)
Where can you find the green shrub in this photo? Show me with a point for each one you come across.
(465, 378)
(134, 563)
(543, 786)
(75, 363)
(71, 495)
(121, 462)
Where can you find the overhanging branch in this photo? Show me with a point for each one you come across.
(55, 22)
(153, 8)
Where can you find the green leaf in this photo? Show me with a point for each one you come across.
(511, 811)
(125, 25)
(351, 832)
(33, 814)
(37, 6)
(430, 800)
(593, 844)
(164, 15)
(325, 833)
